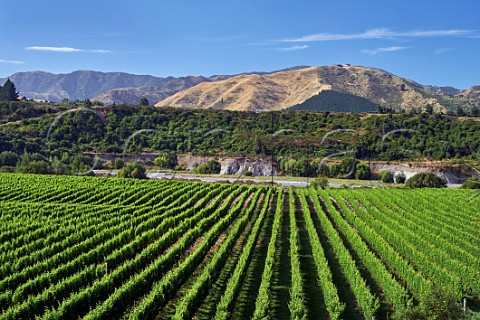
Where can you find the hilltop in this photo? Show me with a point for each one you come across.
(253, 91)
(282, 90)
(77, 85)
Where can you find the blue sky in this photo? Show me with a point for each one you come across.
(431, 42)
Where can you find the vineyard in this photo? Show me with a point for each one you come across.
(98, 248)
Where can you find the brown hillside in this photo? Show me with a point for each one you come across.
(281, 90)
(472, 93)
(275, 91)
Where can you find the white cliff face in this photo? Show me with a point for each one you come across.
(454, 177)
(233, 166)
(258, 167)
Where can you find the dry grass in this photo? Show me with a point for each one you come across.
(281, 90)
(251, 92)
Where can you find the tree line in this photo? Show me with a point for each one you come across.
(53, 131)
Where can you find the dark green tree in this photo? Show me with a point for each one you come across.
(98, 103)
(3, 96)
(472, 183)
(133, 170)
(475, 111)
(362, 171)
(211, 167)
(24, 160)
(429, 109)
(8, 91)
(166, 161)
(97, 163)
(459, 111)
(37, 167)
(387, 176)
(87, 103)
(258, 146)
(161, 162)
(347, 167)
(143, 102)
(426, 180)
(118, 164)
(80, 164)
(8, 158)
(400, 177)
(58, 167)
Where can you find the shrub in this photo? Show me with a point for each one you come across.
(362, 171)
(58, 167)
(97, 163)
(472, 183)
(426, 180)
(8, 159)
(166, 161)
(323, 170)
(320, 181)
(80, 164)
(441, 303)
(387, 176)
(247, 173)
(133, 170)
(179, 167)
(333, 170)
(211, 167)
(347, 167)
(400, 177)
(108, 164)
(38, 167)
(161, 162)
(118, 164)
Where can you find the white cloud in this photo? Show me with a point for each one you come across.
(443, 50)
(294, 48)
(100, 51)
(11, 61)
(382, 50)
(65, 49)
(380, 33)
(54, 49)
(436, 33)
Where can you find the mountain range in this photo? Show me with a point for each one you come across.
(108, 87)
(256, 91)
